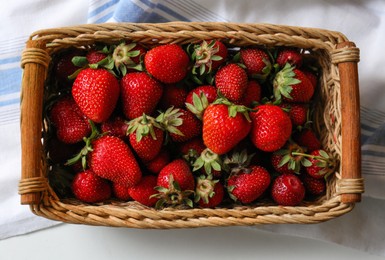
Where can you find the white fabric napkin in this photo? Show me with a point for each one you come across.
(362, 21)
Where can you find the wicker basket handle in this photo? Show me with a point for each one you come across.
(351, 186)
(34, 61)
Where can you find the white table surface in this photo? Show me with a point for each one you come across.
(67, 241)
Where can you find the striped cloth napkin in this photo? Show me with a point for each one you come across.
(362, 21)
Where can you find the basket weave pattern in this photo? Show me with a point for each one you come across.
(327, 121)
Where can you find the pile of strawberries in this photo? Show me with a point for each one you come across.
(198, 125)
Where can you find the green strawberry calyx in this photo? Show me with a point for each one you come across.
(203, 55)
(292, 155)
(209, 161)
(170, 120)
(82, 155)
(237, 161)
(233, 108)
(143, 126)
(173, 196)
(200, 103)
(283, 82)
(204, 188)
(324, 161)
(122, 57)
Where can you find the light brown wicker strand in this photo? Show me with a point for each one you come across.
(32, 185)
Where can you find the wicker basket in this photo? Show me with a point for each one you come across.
(336, 119)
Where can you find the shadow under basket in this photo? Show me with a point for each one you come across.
(336, 120)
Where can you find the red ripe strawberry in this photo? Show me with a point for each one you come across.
(247, 187)
(312, 77)
(112, 159)
(120, 191)
(208, 56)
(322, 164)
(64, 67)
(181, 173)
(173, 96)
(291, 56)
(257, 62)
(96, 91)
(288, 190)
(271, 127)
(140, 94)
(90, 188)
(231, 81)
(181, 124)
(307, 139)
(143, 191)
(70, 123)
(292, 85)
(276, 160)
(94, 56)
(209, 91)
(224, 127)
(252, 94)
(158, 163)
(167, 63)
(208, 193)
(146, 137)
(195, 144)
(313, 185)
(298, 113)
(115, 126)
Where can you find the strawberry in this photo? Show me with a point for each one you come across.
(224, 126)
(175, 184)
(322, 164)
(181, 173)
(257, 62)
(252, 94)
(158, 163)
(192, 146)
(167, 63)
(307, 139)
(313, 185)
(143, 191)
(209, 193)
(289, 159)
(288, 190)
(271, 127)
(64, 67)
(231, 81)
(94, 56)
(140, 94)
(115, 126)
(173, 96)
(120, 191)
(291, 56)
(96, 91)
(181, 124)
(246, 187)
(70, 123)
(146, 137)
(312, 77)
(112, 159)
(292, 85)
(199, 98)
(297, 112)
(209, 91)
(208, 56)
(90, 188)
